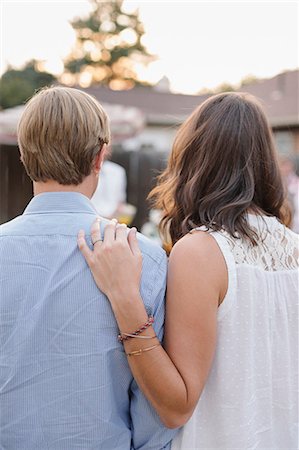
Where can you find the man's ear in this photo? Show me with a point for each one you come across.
(99, 159)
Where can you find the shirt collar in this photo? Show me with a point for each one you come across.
(60, 202)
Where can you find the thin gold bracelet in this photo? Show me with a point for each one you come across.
(137, 336)
(142, 350)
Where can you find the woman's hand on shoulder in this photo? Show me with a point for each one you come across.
(115, 261)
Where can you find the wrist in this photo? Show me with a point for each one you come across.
(124, 296)
(129, 311)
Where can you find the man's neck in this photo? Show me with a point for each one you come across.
(86, 188)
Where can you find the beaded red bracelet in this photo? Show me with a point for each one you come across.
(143, 327)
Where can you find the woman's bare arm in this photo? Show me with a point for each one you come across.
(172, 379)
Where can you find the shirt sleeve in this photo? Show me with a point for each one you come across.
(148, 432)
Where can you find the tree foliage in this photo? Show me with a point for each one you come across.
(16, 86)
(249, 79)
(228, 87)
(108, 45)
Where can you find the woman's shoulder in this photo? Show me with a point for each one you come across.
(200, 245)
(195, 244)
(198, 254)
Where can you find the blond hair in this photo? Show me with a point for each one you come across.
(60, 133)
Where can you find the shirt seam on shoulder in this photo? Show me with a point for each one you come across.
(158, 272)
(157, 259)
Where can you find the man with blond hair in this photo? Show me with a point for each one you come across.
(65, 383)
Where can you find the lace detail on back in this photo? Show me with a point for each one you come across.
(277, 247)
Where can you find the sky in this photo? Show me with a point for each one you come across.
(198, 44)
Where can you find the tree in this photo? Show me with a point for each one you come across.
(107, 48)
(249, 79)
(223, 87)
(17, 86)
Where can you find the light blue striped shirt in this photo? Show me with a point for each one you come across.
(65, 383)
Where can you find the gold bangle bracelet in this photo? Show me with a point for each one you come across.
(142, 350)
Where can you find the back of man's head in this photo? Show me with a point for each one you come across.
(60, 133)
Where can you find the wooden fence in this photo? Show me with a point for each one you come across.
(141, 167)
(15, 185)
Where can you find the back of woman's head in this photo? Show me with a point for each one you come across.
(223, 163)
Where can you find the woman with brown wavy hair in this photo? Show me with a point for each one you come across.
(228, 368)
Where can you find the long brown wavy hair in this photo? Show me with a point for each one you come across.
(223, 163)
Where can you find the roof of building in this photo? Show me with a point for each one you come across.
(279, 96)
(159, 107)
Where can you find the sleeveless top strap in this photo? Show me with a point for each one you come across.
(231, 293)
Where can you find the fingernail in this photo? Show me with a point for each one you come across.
(113, 220)
(98, 219)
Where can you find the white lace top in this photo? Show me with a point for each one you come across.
(250, 400)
